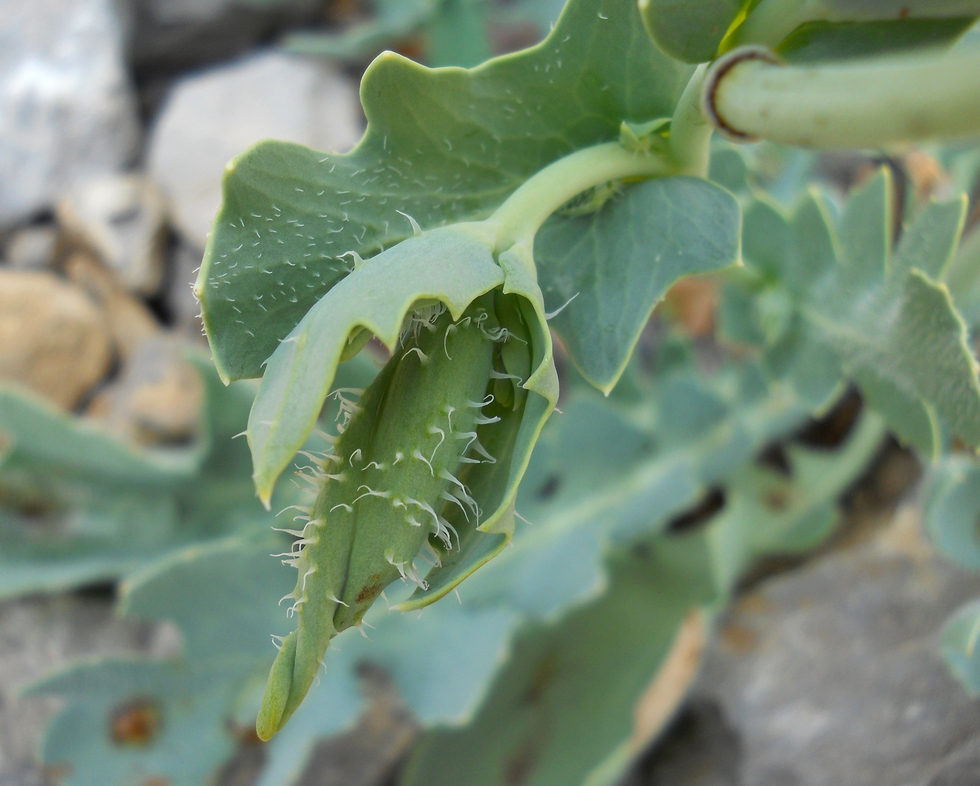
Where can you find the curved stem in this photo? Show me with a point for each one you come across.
(857, 104)
(690, 128)
(524, 211)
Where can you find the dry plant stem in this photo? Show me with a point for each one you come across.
(853, 105)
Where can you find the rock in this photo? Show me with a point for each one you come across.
(121, 219)
(832, 674)
(33, 248)
(53, 338)
(368, 754)
(157, 399)
(212, 117)
(185, 261)
(174, 35)
(130, 321)
(67, 110)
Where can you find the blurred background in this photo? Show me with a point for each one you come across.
(117, 119)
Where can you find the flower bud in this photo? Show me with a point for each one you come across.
(427, 453)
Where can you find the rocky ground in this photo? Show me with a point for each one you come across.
(116, 122)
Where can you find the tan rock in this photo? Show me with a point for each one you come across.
(53, 338)
(157, 399)
(129, 320)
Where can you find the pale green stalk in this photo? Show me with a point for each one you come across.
(690, 128)
(524, 211)
(518, 219)
(851, 105)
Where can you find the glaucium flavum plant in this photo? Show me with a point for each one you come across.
(426, 236)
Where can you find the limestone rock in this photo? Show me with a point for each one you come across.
(67, 110)
(53, 338)
(212, 117)
(185, 261)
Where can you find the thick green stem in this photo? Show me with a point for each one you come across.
(690, 128)
(855, 105)
(519, 218)
(772, 20)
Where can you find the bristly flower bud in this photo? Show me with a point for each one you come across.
(429, 461)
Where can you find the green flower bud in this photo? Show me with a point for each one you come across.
(428, 462)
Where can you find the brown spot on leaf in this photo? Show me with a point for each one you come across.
(778, 499)
(371, 591)
(518, 768)
(544, 674)
(135, 723)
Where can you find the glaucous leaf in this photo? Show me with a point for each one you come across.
(441, 146)
(604, 271)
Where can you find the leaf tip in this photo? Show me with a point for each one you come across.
(263, 489)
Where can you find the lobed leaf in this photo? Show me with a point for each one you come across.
(604, 272)
(442, 146)
(640, 640)
(883, 319)
(960, 637)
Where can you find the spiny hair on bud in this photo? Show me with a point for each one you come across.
(423, 318)
(423, 358)
(369, 492)
(407, 571)
(347, 406)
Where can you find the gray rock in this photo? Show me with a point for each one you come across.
(173, 35)
(66, 107)
(204, 11)
(122, 220)
(212, 117)
(157, 398)
(832, 675)
(185, 261)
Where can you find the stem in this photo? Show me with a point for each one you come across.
(524, 211)
(858, 104)
(690, 128)
(771, 21)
